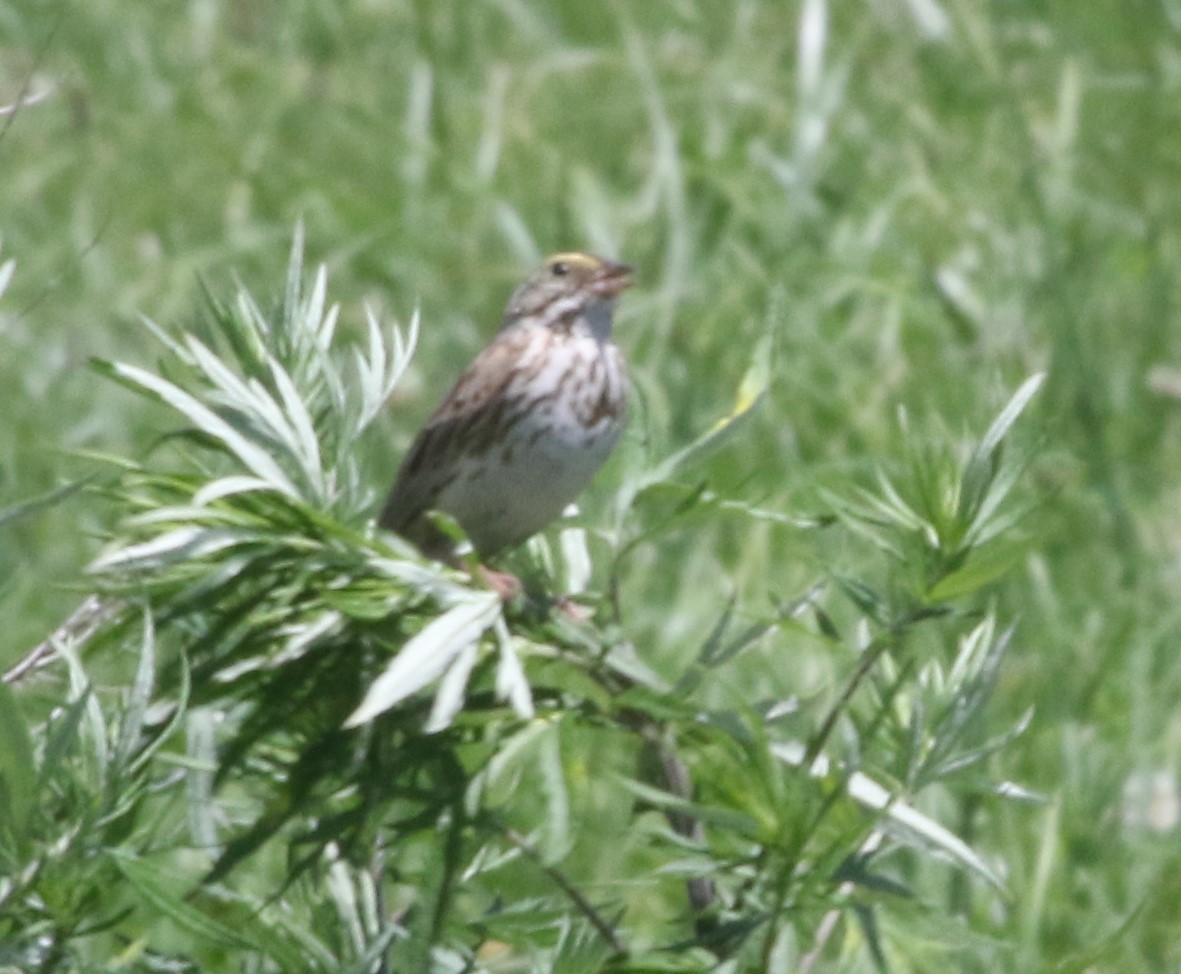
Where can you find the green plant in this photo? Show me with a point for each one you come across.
(331, 755)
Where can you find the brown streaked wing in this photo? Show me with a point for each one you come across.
(478, 399)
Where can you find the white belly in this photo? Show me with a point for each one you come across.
(503, 495)
(517, 488)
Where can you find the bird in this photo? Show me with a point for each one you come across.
(525, 428)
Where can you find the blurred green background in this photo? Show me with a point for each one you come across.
(921, 201)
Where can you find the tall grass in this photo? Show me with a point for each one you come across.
(895, 212)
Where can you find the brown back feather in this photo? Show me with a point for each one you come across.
(474, 402)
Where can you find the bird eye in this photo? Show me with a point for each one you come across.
(559, 268)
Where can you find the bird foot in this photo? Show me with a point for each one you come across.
(504, 584)
(573, 610)
(510, 589)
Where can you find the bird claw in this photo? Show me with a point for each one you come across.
(574, 611)
(510, 589)
(504, 584)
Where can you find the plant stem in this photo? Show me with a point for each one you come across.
(575, 895)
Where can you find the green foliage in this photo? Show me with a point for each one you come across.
(73, 793)
(369, 732)
(887, 215)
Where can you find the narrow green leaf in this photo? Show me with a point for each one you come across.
(511, 683)
(204, 419)
(165, 339)
(308, 633)
(514, 749)
(576, 559)
(915, 829)
(1010, 414)
(163, 890)
(62, 738)
(177, 718)
(893, 508)
(180, 544)
(981, 568)
(986, 523)
(427, 655)
(981, 470)
(40, 503)
(159, 887)
(266, 419)
(975, 648)
(18, 774)
(340, 887)
(315, 323)
(556, 839)
(751, 390)
(233, 390)
(623, 659)
(131, 722)
(723, 817)
(249, 332)
(228, 487)
(380, 369)
(300, 422)
(80, 689)
(901, 820)
(293, 286)
(452, 688)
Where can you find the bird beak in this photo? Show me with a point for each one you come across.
(613, 278)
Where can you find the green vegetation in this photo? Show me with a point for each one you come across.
(899, 607)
